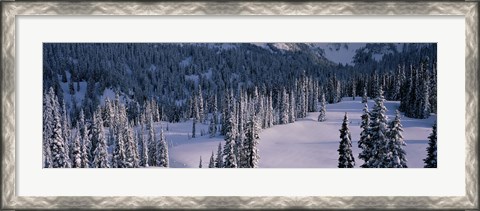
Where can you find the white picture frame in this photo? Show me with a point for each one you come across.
(12, 10)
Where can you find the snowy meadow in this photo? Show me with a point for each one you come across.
(306, 143)
(239, 105)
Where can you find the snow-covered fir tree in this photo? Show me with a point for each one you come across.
(284, 109)
(47, 130)
(323, 110)
(118, 135)
(396, 144)
(66, 130)
(433, 90)
(219, 159)
(302, 99)
(314, 97)
(277, 110)
(398, 83)
(76, 150)
(345, 159)
(239, 146)
(59, 154)
(155, 111)
(365, 143)
(228, 149)
(227, 111)
(270, 112)
(354, 92)
(291, 117)
(260, 112)
(152, 146)
(211, 164)
(331, 90)
(378, 132)
(406, 94)
(122, 132)
(100, 159)
(338, 92)
(254, 101)
(426, 101)
(212, 128)
(132, 156)
(162, 151)
(215, 110)
(431, 159)
(109, 116)
(251, 143)
(364, 96)
(423, 91)
(201, 112)
(194, 126)
(86, 143)
(144, 147)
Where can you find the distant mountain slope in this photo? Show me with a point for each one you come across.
(342, 53)
(337, 53)
(171, 72)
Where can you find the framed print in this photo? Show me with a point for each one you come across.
(239, 105)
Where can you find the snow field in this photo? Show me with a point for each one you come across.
(303, 144)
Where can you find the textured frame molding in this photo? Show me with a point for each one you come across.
(9, 200)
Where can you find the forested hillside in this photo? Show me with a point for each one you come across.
(237, 89)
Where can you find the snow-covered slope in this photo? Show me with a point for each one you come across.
(303, 144)
(308, 143)
(342, 53)
(338, 53)
(278, 46)
(80, 91)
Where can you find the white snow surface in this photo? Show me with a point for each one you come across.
(80, 93)
(222, 46)
(193, 78)
(342, 53)
(339, 53)
(279, 46)
(108, 94)
(303, 144)
(186, 62)
(185, 151)
(286, 46)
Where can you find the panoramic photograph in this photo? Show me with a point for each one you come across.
(239, 105)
